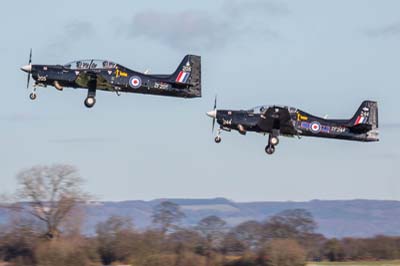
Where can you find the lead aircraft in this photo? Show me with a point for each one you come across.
(288, 121)
(105, 75)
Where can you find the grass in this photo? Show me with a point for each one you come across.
(357, 263)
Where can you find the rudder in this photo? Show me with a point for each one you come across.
(188, 74)
(367, 114)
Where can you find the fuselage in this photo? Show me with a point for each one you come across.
(299, 123)
(116, 78)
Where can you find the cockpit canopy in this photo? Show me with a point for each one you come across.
(91, 64)
(261, 109)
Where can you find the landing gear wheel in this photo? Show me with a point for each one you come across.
(217, 139)
(32, 96)
(270, 149)
(274, 141)
(90, 101)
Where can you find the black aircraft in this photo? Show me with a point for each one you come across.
(108, 76)
(288, 121)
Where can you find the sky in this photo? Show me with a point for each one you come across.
(324, 57)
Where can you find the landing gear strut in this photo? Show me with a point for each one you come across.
(218, 138)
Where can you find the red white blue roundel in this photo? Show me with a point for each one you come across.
(315, 127)
(135, 82)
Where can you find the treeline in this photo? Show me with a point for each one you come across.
(287, 238)
(47, 212)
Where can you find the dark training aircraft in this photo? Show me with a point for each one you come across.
(288, 121)
(105, 75)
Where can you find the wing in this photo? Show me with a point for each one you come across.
(275, 117)
(88, 79)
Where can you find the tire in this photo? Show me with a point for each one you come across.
(274, 141)
(32, 96)
(217, 139)
(90, 102)
(270, 149)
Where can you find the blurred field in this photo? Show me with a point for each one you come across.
(362, 263)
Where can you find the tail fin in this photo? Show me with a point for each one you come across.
(365, 121)
(188, 74)
(367, 114)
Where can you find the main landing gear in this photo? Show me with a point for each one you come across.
(273, 140)
(90, 100)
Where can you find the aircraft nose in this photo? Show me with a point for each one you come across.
(212, 113)
(27, 68)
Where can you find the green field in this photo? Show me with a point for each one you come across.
(361, 263)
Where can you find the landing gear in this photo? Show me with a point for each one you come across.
(90, 101)
(91, 97)
(272, 142)
(218, 137)
(270, 149)
(32, 96)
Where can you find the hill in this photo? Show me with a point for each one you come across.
(336, 218)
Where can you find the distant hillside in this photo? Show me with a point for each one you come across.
(336, 218)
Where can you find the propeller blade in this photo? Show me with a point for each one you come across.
(213, 125)
(30, 57)
(215, 108)
(27, 82)
(215, 102)
(29, 74)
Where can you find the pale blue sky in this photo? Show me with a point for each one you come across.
(324, 57)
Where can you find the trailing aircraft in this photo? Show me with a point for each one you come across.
(279, 121)
(105, 75)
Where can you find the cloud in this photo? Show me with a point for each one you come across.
(388, 30)
(254, 7)
(196, 29)
(71, 33)
(80, 140)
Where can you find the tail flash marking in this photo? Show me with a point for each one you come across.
(360, 120)
(183, 77)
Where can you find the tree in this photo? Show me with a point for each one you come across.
(167, 215)
(296, 224)
(282, 252)
(50, 194)
(212, 228)
(113, 239)
(249, 233)
(333, 250)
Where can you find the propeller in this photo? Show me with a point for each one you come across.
(213, 113)
(29, 73)
(214, 109)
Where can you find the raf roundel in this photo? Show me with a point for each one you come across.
(315, 127)
(135, 82)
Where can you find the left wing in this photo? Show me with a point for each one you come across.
(87, 79)
(276, 117)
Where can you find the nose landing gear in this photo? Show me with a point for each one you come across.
(218, 138)
(32, 96)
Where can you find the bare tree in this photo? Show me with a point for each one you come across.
(48, 193)
(293, 223)
(167, 214)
